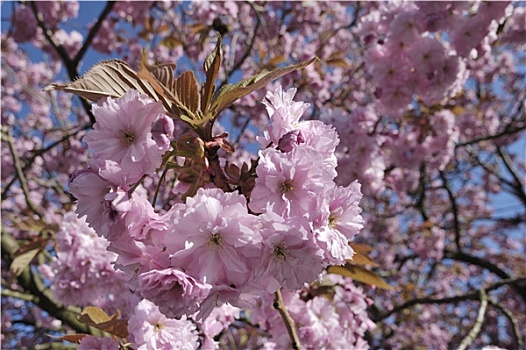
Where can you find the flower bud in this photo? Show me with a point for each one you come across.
(289, 140)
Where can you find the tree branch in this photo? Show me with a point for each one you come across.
(478, 323)
(289, 322)
(450, 300)
(454, 208)
(460, 256)
(517, 184)
(20, 174)
(91, 35)
(68, 63)
(513, 320)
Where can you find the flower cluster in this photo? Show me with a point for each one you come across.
(318, 316)
(218, 247)
(81, 272)
(405, 58)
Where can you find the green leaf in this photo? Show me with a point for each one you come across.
(231, 93)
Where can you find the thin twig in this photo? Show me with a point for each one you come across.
(478, 323)
(68, 63)
(289, 322)
(518, 184)
(454, 208)
(93, 31)
(18, 168)
(513, 320)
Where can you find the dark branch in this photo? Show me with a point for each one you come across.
(474, 295)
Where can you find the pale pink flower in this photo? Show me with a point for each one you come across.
(90, 189)
(123, 133)
(283, 112)
(288, 183)
(290, 258)
(151, 330)
(90, 342)
(173, 291)
(220, 240)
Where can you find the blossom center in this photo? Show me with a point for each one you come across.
(279, 252)
(333, 221)
(215, 239)
(158, 326)
(286, 186)
(127, 137)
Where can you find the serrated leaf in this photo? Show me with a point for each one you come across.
(211, 67)
(97, 318)
(359, 274)
(111, 78)
(187, 91)
(230, 93)
(25, 254)
(164, 73)
(166, 94)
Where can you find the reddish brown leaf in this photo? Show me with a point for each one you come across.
(72, 338)
(211, 66)
(360, 248)
(187, 91)
(97, 318)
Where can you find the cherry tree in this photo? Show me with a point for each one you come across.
(263, 175)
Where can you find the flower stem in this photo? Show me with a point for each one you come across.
(289, 322)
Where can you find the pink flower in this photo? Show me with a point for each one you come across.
(173, 291)
(323, 139)
(137, 214)
(151, 330)
(90, 342)
(283, 112)
(90, 189)
(123, 133)
(337, 221)
(290, 257)
(220, 239)
(288, 183)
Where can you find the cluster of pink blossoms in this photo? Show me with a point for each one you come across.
(82, 273)
(215, 248)
(318, 317)
(406, 57)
